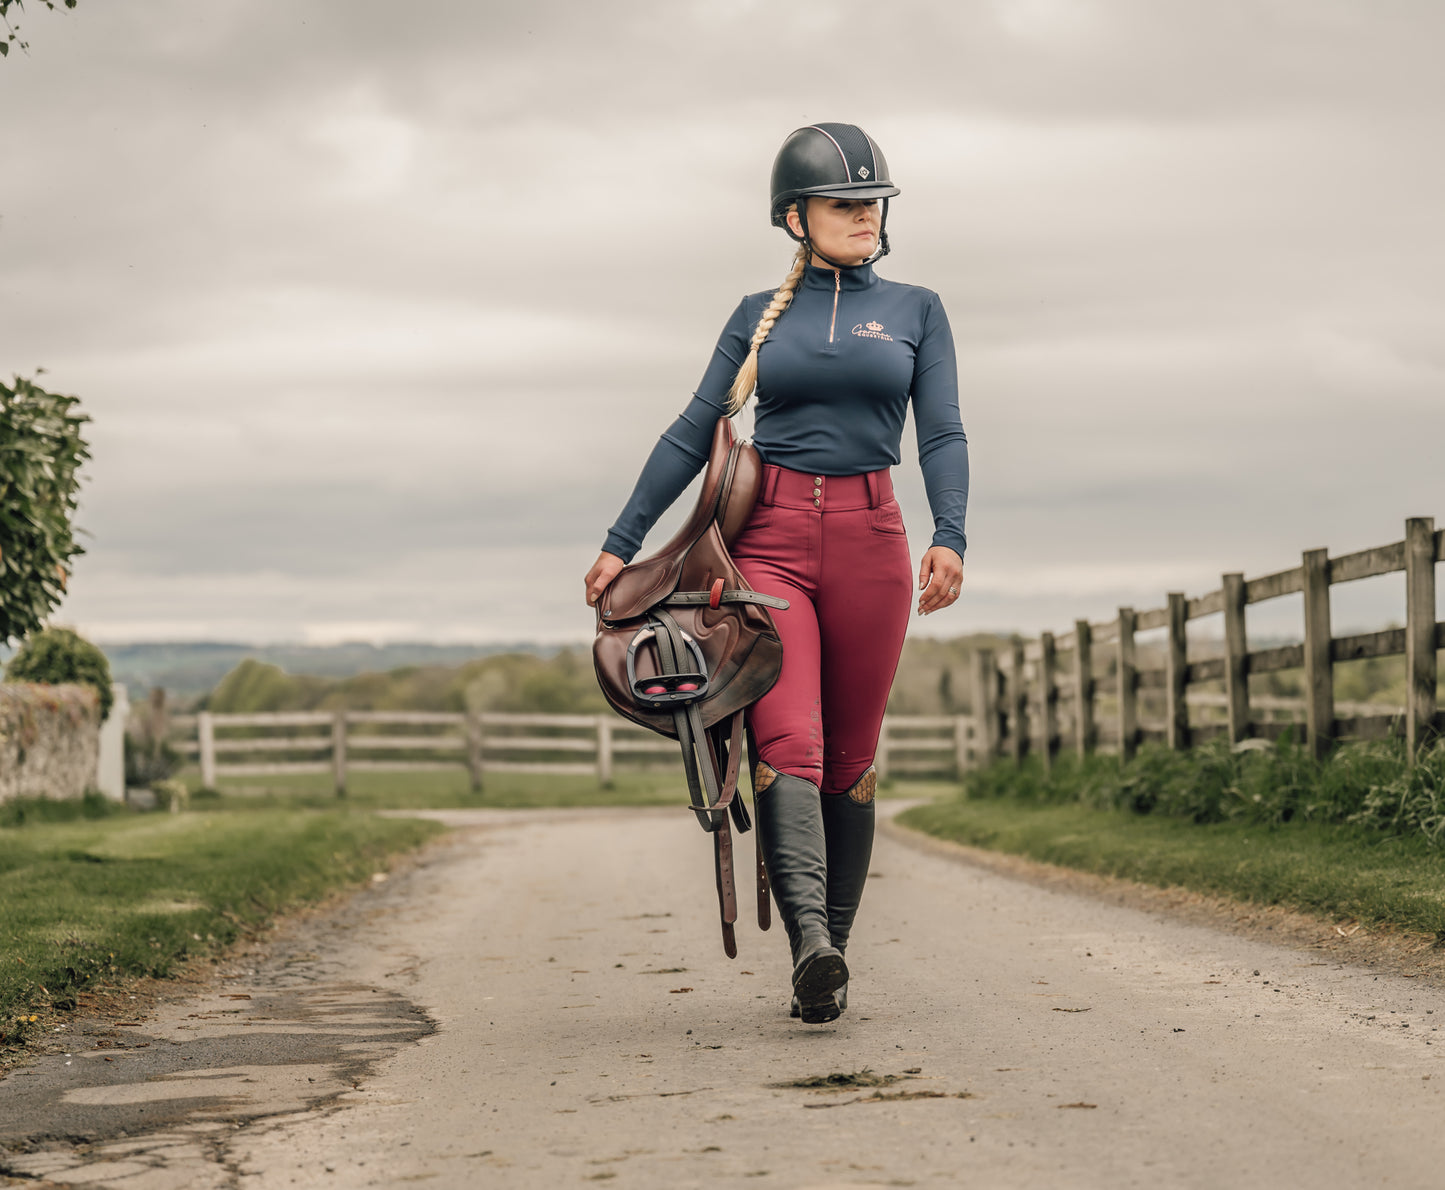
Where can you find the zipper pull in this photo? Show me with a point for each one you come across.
(837, 289)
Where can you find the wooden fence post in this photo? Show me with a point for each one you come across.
(1083, 687)
(1018, 704)
(985, 706)
(338, 752)
(1048, 702)
(206, 736)
(604, 750)
(474, 749)
(961, 725)
(1319, 670)
(1128, 682)
(1420, 660)
(1236, 658)
(1176, 710)
(880, 757)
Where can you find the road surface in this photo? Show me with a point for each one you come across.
(543, 1001)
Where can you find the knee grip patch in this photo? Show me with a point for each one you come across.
(863, 790)
(763, 776)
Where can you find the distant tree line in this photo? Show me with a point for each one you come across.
(935, 677)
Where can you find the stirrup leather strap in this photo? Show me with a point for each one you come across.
(710, 760)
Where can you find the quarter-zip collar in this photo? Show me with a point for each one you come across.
(859, 277)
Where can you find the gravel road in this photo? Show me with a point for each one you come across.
(543, 1001)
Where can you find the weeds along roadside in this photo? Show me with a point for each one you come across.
(1359, 834)
(97, 901)
(1366, 784)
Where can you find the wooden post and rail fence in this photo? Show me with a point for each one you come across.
(345, 742)
(1020, 693)
(1090, 689)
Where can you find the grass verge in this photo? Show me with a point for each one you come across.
(94, 901)
(446, 789)
(1337, 870)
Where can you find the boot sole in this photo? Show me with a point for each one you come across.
(840, 997)
(814, 984)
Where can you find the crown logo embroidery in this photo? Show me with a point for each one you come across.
(872, 330)
(863, 172)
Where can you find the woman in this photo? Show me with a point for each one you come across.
(835, 354)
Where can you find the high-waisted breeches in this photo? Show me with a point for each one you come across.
(835, 548)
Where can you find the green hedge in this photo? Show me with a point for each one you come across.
(1366, 784)
(54, 656)
(43, 450)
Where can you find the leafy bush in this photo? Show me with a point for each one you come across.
(43, 450)
(148, 760)
(56, 655)
(171, 794)
(1366, 784)
(10, 34)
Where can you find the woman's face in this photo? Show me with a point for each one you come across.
(845, 230)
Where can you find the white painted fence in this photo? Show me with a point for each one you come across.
(342, 742)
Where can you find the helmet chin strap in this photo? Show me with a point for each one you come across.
(878, 253)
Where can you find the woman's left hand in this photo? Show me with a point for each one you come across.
(940, 575)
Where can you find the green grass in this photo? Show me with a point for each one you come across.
(95, 900)
(447, 789)
(22, 810)
(1357, 834)
(1334, 870)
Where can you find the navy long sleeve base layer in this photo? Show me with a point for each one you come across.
(834, 380)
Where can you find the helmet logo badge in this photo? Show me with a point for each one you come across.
(863, 172)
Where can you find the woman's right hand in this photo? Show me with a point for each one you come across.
(604, 570)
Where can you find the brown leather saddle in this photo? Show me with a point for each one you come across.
(684, 646)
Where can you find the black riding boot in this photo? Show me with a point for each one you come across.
(790, 829)
(848, 829)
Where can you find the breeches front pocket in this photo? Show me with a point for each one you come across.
(887, 518)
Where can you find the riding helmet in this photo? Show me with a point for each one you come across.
(828, 161)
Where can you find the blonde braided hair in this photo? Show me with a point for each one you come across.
(747, 377)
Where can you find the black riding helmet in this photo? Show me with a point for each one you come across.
(830, 161)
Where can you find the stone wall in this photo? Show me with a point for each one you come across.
(49, 740)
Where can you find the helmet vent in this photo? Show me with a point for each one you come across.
(853, 146)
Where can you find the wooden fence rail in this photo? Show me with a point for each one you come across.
(339, 743)
(1019, 695)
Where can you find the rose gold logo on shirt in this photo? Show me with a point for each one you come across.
(874, 330)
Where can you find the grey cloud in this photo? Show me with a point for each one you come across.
(329, 275)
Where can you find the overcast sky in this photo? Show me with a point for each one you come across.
(378, 308)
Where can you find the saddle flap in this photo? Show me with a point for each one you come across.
(639, 586)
